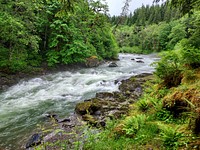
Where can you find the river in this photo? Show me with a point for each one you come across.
(22, 106)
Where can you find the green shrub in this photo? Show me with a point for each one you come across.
(190, 54)
(170, 137)
(134, 124)
(143, 104)
(169, 69)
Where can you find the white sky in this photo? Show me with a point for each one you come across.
(115, 6)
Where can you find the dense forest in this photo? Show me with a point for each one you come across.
(53, 31)
(156, 28)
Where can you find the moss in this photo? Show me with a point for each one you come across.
(118, 130)
(90, 119)
(180, 98)
(88, 107)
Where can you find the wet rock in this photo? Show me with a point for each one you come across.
(104, 95)
(133, 59)
(143, 75)
(88, 107)
(116, 114)
(112, 104)
(139, 58)
(34, 140)
(112, 64)
(92, 61)
(138, 91)
(140, 61)
(51, 115)
(97, 113)
(63, 120)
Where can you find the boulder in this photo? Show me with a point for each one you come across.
(34, 140)
(140, 61)
(112, 64)
(92, 61)
(139, 58)
(63, 120)
(132, 59)
(88, 107)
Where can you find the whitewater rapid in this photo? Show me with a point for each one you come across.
(23, 106)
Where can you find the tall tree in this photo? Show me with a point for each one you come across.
(186, 6)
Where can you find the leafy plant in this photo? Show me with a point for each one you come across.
(134, 124)
(143, 104)
(170, 137)
(169, 69)
(190, 54)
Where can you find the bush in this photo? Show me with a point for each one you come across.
(170, 137)
(133, 124)
(169, 69)
(190, 54)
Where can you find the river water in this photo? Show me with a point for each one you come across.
(22, 106)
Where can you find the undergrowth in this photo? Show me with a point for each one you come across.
(151, 125)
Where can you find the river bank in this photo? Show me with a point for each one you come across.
(24, 105)
(91, 112)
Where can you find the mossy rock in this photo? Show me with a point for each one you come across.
(90, 119)
(88, 107)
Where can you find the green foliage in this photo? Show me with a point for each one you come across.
(169, 69)
(164, 31)
(147, 133)
(177, 33)
(133, 49)
(15, 40)
(164, 115)
(134, 124)
(56, 32)
(143, 105)
(191, 56)
(149, 38)
(170, 137)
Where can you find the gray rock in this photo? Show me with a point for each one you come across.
(34, 140)
(112, 64)
(63, 120)
(140, 61)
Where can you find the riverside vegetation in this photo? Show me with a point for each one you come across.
(167, 115)
(36, 35)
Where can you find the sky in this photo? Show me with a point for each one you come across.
(115, 6)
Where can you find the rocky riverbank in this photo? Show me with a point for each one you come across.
(94, 112)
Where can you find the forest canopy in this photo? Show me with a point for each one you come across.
(53, 31)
